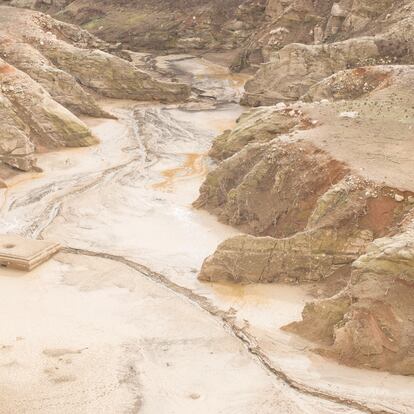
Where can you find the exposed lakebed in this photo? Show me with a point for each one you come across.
(113, 337)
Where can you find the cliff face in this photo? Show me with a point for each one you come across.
(322, 187)
(48, 72)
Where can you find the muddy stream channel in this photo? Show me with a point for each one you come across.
(118, 322)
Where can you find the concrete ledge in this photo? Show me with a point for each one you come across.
(25, 254)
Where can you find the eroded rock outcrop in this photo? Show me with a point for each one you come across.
(262, 189)
(62, 85)
(33, 118)
(286, 170)
(353, 84)
(258, 126)
(278, 161)
(16, 149)
(50, 71)
(298, 67)
(163, 25)
(307, 256)
(371, 322)
(249, 31)
(339, 226)
(356, 33)
(322, 188)
(53, 46)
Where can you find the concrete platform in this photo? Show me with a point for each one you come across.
(25, 254)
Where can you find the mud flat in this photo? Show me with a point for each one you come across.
(109, 340)
(121, 322)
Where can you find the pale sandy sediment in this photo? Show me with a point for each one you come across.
(109, 339)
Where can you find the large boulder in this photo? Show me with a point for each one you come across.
(307, 256)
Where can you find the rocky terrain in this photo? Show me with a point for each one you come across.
(324, 187)
(247, 32)
(50, 72)
(313, 191)
(162, 26)
(121, 322)
(339, 35)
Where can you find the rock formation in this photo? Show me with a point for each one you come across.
(370, 323)
(320, 180)
(162, 25)
(50, 71)
(250, 31)
(32, 118)
(322, 187)
(356, 33)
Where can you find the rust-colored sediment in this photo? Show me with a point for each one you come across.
(6, 69)
(384, 212)
(193, 166)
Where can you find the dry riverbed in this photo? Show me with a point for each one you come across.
(118, 323)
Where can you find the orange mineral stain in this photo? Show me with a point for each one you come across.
(193, 166)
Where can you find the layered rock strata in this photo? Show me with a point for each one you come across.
(250, 32)
(315, 22)
(52, 71)
(324, 189)
(180, 26)
(355, 34)
(31, 118)
(371, 322)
